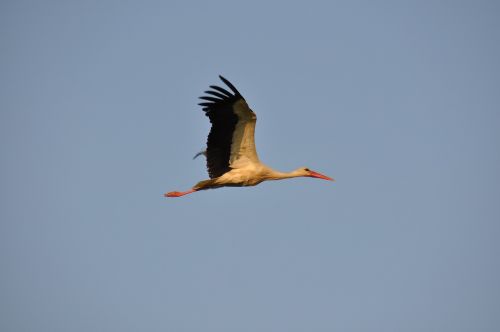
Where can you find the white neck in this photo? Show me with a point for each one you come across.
(277, 175)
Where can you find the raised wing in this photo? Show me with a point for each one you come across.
(230, 142)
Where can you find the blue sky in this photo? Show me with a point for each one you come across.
(398, 101)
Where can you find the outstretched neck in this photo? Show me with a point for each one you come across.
(277, 175)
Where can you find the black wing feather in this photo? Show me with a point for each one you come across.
(231, 86)
(215, 100)
(220, 95)
(221, 115)
(224, 91)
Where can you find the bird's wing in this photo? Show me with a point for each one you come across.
(230, 142)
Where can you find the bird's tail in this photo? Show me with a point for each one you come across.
(206, 184)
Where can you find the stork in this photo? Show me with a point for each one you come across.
(231, 156)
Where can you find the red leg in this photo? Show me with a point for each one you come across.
(179, 193)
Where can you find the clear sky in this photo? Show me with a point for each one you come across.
(397, 100)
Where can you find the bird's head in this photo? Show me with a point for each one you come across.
(304, 171)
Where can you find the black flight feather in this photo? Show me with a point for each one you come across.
(223, 119)
(224, 91)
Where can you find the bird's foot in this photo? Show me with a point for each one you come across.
(179, 193)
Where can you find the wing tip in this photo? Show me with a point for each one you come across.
(230, 85)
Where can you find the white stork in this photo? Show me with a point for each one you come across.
(232, 160)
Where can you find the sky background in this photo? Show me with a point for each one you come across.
(397, 100)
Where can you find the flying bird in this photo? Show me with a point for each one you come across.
(231, 156)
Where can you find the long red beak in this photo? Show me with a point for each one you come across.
(320, 176)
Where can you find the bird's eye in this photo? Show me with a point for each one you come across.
(307, 169)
